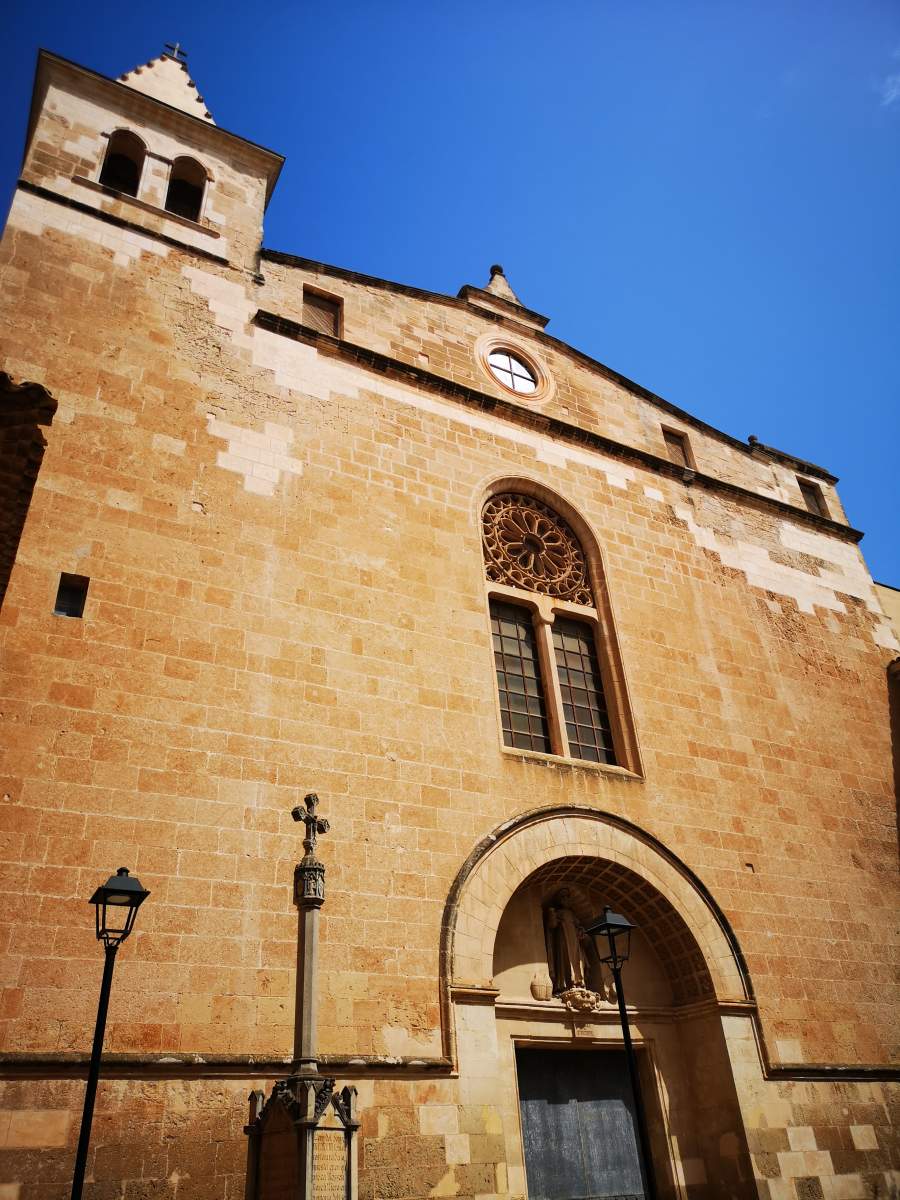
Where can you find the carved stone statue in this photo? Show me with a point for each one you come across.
(572, 958)
(564, 937)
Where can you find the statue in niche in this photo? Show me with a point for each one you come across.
(564, 936)
(572, 959)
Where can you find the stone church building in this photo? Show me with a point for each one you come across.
(541, 642)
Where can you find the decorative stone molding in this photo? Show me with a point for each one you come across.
(573, 837)
(584, 1000)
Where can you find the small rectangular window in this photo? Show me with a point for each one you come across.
(677, 447)
(322, 313)
(71, 595)
(522, 710)
(584, 705)
(812, 497)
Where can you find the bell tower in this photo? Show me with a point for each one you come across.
(143, 151)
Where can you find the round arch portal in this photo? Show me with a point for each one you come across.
(572, 837)
(551, 1067)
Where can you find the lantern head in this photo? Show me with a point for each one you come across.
(116, 904)
(616, 930)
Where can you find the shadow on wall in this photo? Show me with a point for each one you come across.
(893, 682)
(23, 407)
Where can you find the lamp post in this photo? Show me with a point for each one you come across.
(617, 931)
(115, 906)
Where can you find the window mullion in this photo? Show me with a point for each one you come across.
(556, 720)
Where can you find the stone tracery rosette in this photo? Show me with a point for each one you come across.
(526, 545)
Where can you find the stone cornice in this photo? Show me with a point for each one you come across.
(791, 460)
(72, 1065)
(68, 1065)
(523, 326)
(155, 210)
(101, 214)
(553, 427)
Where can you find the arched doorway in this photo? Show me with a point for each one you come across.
(553, 1045)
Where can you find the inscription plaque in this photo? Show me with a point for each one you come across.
(329, 1164)
(302, 1142)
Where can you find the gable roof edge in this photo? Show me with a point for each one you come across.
(749, 447)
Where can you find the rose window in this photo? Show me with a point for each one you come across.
(526, 545)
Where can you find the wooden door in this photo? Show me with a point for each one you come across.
(578, 1125)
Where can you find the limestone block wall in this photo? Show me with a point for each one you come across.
(441, 335)
(822, 1140)
(152, 1138)
(286, 592)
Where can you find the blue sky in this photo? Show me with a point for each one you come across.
(704, 196)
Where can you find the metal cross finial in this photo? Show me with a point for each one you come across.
(175, 51)
(314, 825)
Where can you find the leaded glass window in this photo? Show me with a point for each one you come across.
(584, 705)
(550, 654)
(523, 712)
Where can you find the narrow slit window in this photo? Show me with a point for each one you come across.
(676, 447)
(124, 162)
(71, 595)
(522, 708)
(322, 313)
(813, 498)
(584, 705)
(187, 184)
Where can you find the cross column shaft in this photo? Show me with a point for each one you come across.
(305, 1006)
(309, 896)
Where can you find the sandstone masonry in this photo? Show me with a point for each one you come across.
(281, 529)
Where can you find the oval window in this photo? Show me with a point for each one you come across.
(512, 372)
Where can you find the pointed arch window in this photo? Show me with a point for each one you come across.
(124, 162)
(559, 682)
(187, 184)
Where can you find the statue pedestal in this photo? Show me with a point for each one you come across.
(302, 1142)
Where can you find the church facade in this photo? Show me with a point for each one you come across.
(541, 642)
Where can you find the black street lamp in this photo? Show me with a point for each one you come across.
(617, 931)
(115, 904)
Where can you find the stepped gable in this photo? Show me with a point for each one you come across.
(166, 78)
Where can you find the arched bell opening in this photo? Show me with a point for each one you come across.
(123, 164)
(187, 184)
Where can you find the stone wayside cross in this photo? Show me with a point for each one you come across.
(302, 1140)
(309, 896)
